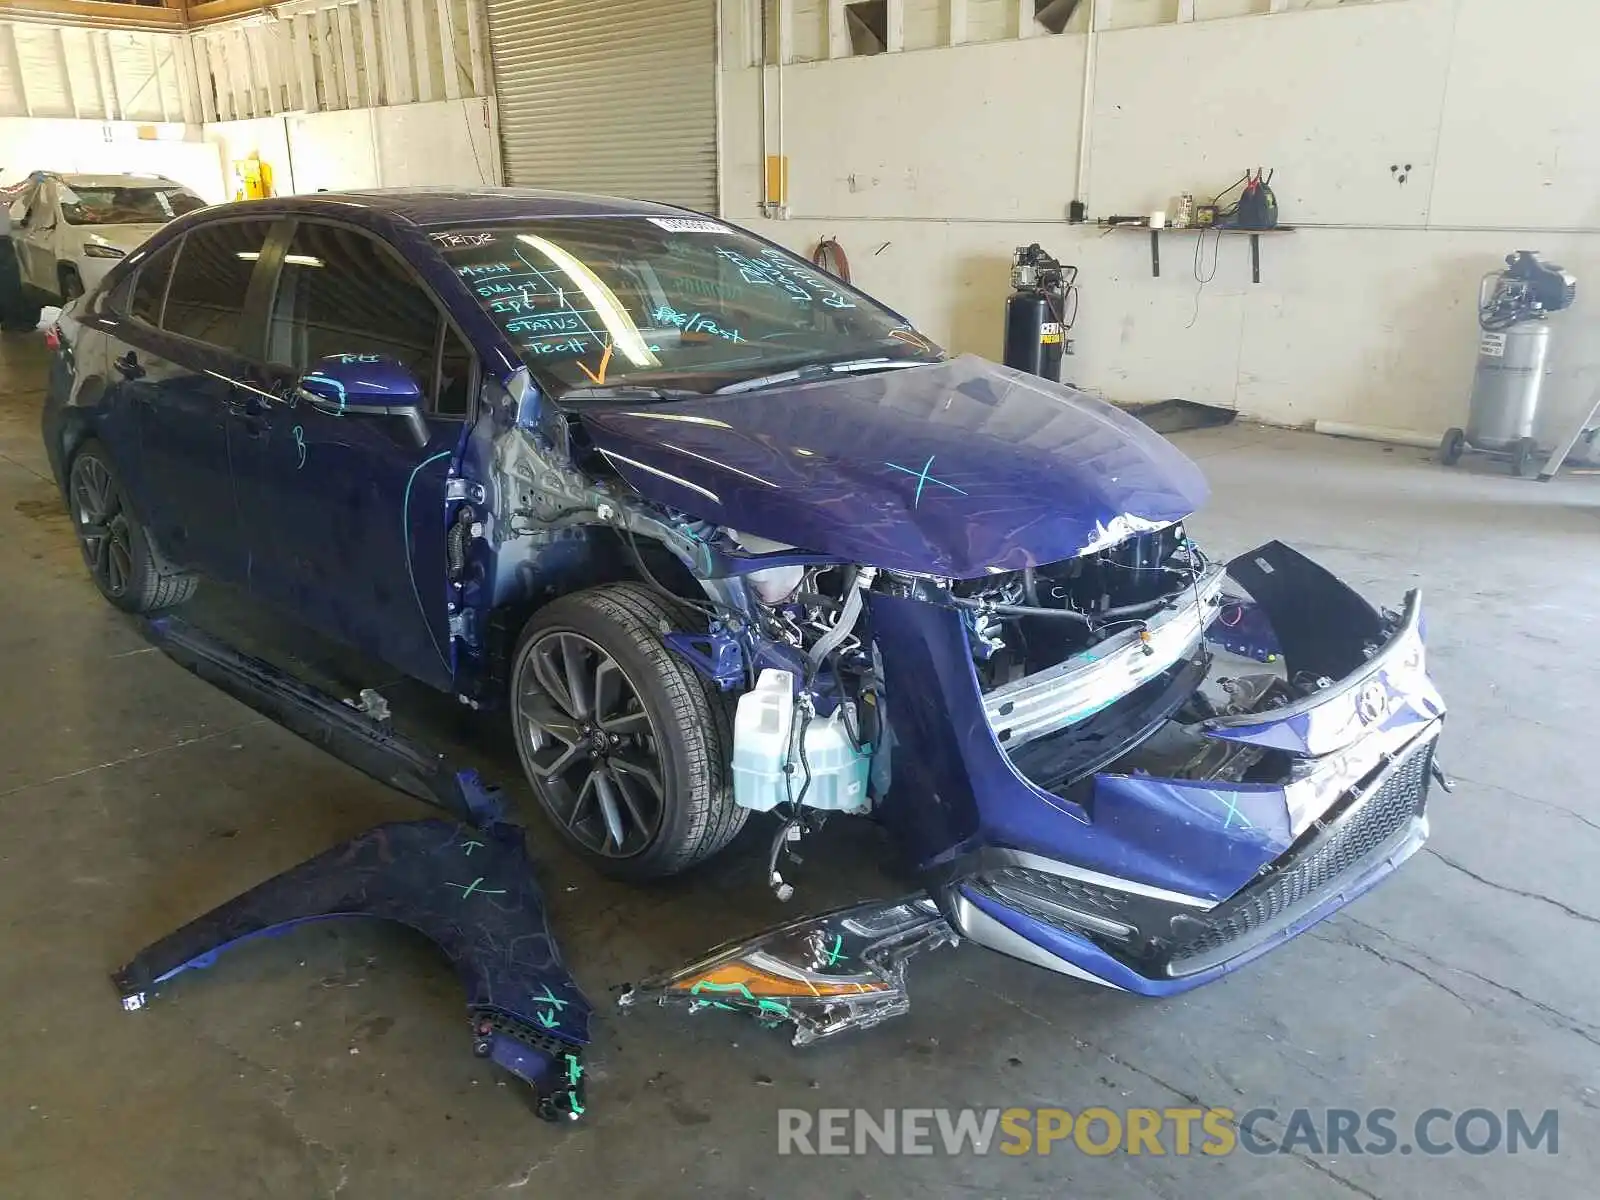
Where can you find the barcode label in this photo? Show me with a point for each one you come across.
(687, 225)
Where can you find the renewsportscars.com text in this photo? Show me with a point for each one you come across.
(1212, 1132)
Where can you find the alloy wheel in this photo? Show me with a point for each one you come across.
(103, 531)
(589, 744)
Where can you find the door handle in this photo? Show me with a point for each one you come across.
(128, 366)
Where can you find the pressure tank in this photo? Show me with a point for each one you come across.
(1033, 335)
(1509, 380)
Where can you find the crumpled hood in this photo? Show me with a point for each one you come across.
(950, 469)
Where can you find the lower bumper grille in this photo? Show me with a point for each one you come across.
(1372, 826)
(1056, 900)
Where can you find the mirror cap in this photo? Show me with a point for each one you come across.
(363, 381)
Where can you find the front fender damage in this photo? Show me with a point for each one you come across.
(466, 884)
(470, 891)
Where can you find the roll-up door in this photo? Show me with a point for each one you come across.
(609, 96)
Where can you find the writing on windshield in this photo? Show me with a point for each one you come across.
(597, 300)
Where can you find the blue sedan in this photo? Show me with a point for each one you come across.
(722, 535)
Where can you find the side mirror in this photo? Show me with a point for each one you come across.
(366, 385)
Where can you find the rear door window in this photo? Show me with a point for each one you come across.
(206, 298)
(150, 286)
(343, 292)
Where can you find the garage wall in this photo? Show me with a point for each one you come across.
(51, 144)
(445, 142)
(63, 71)
(931, 166)
(320, 55)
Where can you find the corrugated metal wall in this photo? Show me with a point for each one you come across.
(617, 98)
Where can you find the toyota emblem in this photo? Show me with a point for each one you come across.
(1372, 705)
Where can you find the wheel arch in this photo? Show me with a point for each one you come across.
(78, 429)
(564, 563)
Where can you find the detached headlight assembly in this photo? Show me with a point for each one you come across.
(101, 250)
(839, 970)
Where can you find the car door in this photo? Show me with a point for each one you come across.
(185, 375)
(349, 512)
(33, 231)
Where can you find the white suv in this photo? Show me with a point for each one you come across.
(70, 230)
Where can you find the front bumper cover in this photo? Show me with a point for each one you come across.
(1155, 885)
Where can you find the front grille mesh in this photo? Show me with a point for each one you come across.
(1371, 825)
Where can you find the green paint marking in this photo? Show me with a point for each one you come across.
(577, 1109)
(705, 985)
(762, 1005)
(833, 954)
(470, 845)
(549, 997)
(548, 1019)
(468, 889)
(574, 1069)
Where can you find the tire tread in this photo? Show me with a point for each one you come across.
(698, 716)
(160, 584)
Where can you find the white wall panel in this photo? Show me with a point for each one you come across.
(1519, 145)
(334, 150)
(895, 134)
(1330, 99)
(449, 141)
(931, 166)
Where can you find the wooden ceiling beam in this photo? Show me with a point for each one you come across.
(100, 13)
(206, 12)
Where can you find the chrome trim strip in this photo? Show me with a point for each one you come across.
(1410, 625)
(996, 858)
(1019, 898)
(1058, 696)
(973, 923)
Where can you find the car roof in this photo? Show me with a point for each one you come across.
(85, 180)
(433, 207)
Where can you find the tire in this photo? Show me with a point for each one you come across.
(1451, 447)
(1525, 458)
(659, 715)
(124, 564)
(29, 309)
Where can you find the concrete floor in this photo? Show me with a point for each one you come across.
(335, 1061)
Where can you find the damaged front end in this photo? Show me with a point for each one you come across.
(1207, 812)
(965, 603)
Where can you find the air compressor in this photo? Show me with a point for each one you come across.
(1040, 312)
(1513, 347)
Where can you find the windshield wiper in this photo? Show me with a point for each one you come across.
(629, 391)
(819, 371)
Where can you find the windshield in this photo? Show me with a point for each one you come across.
(598, 302)
(126, 205)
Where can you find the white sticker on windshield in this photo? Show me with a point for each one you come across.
(686, 225)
